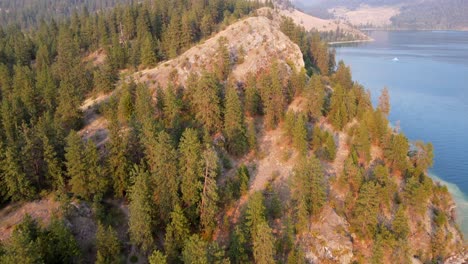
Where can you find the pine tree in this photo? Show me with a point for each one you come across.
(224, 60)
(176, 233)
(172, 110)
(234, 125)
(18, 186)
(59, 244)
(148, 54)
(330, 147)
(315, 97)
(96, 181)
(400, 225)
(343, 76)
(108, 246)
(264, 244)
(195, 251)
(252, 134)
(309, 187)
(365, 212)
(54, 171)
(190, 169)
(243, 177)
(206, 103)
(384, 102)
(157, 258)
(24, 246)
(83, 168)
(397, 152)
(338, 114)
(237, 247)
(209, 195)
(141, 212)
(252, 97)
(118, 163)
(254, 214)
(162, 160)
(363, 143)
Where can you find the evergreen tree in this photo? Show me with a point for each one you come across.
(309, 187)
(162, 160)
(18, 185)
(237, 247)
(397, 152)
(59, 244)
(366, 210)
(148, 54)
(190, 168)
(234, 125)
(157, 258)
(54, 172)
(206, 103)
(252, 97)
(209, 195)
(118, 162)
(264, 245)
(224, 62)
(83, 168)
(24, 246)
(108, 246)
(343, 76)
(254, 214)
(363, 143)
(338, 115)
(315, 93)
(176, 234)
(172, 110)
(141, 212)
(195, 251)
(400, 224)
(384, 102)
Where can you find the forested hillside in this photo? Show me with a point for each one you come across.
(29, 13)
(203, 132)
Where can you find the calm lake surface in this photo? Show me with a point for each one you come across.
(426, 73)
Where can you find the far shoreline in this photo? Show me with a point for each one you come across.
(350, 41)
(414, 29)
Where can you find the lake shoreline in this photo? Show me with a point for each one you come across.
(461, 203)
(350, 41)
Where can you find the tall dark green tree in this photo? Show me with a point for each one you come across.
(209, 195)
(177, 232)
(191, 170)
(309, 188)
(141, 210)
(234, 124)
(162, 160)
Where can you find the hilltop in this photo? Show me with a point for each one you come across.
(253, 44)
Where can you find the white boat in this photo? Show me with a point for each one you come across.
(395, 59)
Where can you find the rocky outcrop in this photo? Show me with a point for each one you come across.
(254, 43)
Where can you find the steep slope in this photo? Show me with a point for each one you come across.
(253, 43)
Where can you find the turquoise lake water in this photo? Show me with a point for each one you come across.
(426, 73)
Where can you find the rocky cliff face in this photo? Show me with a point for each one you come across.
(253, 44)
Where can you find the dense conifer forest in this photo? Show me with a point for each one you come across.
(181, 158)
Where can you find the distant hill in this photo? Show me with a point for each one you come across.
(395, 14)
